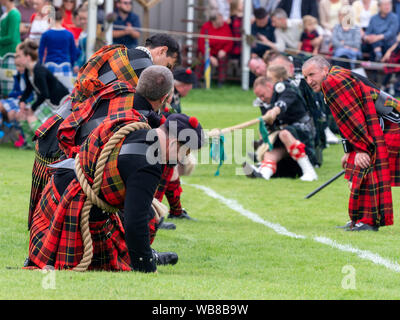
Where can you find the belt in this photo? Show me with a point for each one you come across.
(92, 124)
(89, 126)
(136, 64)
(134, 148)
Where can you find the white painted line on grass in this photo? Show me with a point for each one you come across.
(363, 254)
(235, 206)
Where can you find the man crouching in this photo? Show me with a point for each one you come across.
(128, 180)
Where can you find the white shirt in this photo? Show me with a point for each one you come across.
(38, 27)
(365, 16)
(295, 12)
(289, 37)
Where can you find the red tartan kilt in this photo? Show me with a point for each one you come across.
(110, 252)
(392, 141)
(40, 223)
(164, 181)
(40, 177)
(395, 59)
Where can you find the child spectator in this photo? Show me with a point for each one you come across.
(277, 74)
(9, 28)
(57, 44)
(39, 20)
(310, 40)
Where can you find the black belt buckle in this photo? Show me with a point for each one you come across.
(347, 147)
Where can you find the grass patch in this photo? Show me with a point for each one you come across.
(223, 255)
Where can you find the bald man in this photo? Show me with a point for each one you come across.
(368, 119)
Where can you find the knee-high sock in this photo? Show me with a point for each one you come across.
(173, 194)
(267, 169)
(297, 150)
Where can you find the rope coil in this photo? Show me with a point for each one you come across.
(92, 192)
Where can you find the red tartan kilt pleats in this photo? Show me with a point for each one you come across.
(55, 237)
(40, 177)
(371, 200)
(110, 252)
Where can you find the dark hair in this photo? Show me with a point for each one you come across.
(82, 7)
(160, 40)
(58, 15)
(260, 13)
(29, 48)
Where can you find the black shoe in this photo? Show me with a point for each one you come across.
(251, 171)
(252, 156)
(183, 215)
(167, 226)
(346, 226)
(165, 258)
(26, 262)
(364, 227)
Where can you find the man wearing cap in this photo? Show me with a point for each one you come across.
(112, 71)
(170, 184)
(368, 119)
(129, 180)
(184, 82)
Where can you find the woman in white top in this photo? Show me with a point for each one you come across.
(329, 12)
(363, 11)
(40, 21)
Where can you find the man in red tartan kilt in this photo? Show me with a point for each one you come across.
(112, 71)
(129, 181)
(368, 120)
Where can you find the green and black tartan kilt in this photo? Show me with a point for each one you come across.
(40, 177)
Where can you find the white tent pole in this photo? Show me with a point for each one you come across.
(109, 8)
(245, 47)
(91, 28)
(189, 29)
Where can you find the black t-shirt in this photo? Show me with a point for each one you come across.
(291, 103)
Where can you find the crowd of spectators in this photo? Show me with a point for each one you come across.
(351, 31)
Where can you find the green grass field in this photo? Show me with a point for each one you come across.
(223, 255)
